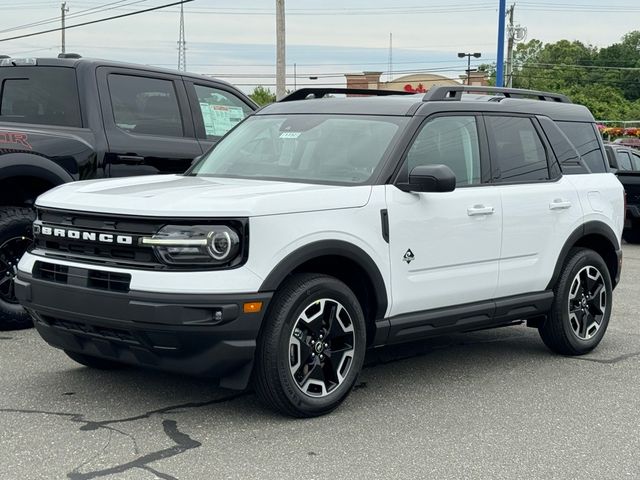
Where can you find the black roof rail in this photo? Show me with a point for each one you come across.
(303, 93)
(69, 55)
(454, 93)
(4, 56)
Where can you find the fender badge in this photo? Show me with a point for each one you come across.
(408, 256)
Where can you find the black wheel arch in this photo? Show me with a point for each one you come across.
(597, 236)
(25, 176)
(341, 259)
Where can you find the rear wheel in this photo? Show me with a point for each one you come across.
(312, 347)
(16, 224)
(94, 362)
(582, 306)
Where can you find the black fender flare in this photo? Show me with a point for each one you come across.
(30, 165)
(593, 227)
(324, 248)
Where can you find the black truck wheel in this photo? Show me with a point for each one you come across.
(312, 346)
(16, 235)
(581, 309)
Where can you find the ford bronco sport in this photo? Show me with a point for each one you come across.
(318, 228)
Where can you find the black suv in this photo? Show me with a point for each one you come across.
(66, 119)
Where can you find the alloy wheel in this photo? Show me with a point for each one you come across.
(321, 347)
(587, 302)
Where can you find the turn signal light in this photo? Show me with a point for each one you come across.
(252, 307)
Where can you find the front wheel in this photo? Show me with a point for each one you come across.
(312, 347)
(582, 305)
(15, 237)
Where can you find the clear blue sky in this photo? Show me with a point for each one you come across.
(235, 39)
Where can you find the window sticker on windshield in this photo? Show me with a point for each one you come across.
(219, 119)
(290, 134)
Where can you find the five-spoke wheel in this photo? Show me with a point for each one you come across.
(587, 302)
(321, 347)
(312, 346)
(582, 305)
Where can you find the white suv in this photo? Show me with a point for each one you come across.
(318, 228)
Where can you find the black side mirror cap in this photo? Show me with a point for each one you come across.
(430, 178)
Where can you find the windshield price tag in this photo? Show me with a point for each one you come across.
(290, 134)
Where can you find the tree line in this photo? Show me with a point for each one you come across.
(606, 80)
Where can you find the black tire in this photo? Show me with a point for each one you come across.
(274, 381)
(568, 334)
(632, 235)
(16, 233)
(94, 362)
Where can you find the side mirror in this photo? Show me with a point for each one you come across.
(431, 178)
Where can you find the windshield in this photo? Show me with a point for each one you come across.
(308, 148)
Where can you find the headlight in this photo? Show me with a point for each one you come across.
(195, 245)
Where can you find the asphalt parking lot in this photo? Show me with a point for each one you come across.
(493, 404)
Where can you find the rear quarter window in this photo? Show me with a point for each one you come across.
(39, 95)
(585, 140)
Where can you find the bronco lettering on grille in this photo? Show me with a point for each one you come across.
(82, 235)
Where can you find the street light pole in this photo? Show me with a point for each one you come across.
(469, 55)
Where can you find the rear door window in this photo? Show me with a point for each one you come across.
(585, 139)
(624, 160)
(220, 110)
(145, 105)
(517, 152)
(39, 95)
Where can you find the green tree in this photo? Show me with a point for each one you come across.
(262, 95)
(607, 80)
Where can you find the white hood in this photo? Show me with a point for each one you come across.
(179, 196)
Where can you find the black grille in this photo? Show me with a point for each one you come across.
(82, 277)
(114, 282)
(130, 256)
(51, 272)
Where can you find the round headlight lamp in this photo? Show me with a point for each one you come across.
(195, 245)
(219, 244)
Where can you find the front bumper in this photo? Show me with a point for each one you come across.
(195, 334)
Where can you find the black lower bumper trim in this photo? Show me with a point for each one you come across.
(196, 334)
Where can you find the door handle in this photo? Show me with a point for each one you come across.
(559, 204)
(132, 159)
(480, 210)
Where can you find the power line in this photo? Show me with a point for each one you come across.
(81, 13)
(96, 21)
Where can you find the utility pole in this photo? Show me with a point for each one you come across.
(500, 56)
(63, 10)
(510, 42)
(281, 89)
(182, 43)
(390, 57)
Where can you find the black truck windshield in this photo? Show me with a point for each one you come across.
(315, 148)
